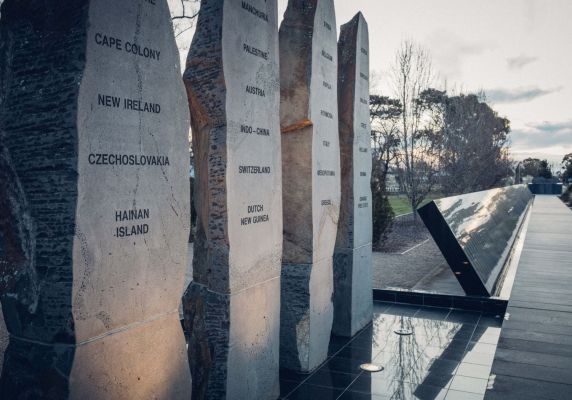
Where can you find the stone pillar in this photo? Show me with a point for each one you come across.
(353, 298)
(311, 174)
(232, 307)
(94, 200)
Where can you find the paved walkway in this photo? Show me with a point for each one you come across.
(534, 355)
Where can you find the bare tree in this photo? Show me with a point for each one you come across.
(418, 137)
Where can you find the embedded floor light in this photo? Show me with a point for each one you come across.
(403, 332)
(370, 367)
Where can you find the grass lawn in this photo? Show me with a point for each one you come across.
(400, 203)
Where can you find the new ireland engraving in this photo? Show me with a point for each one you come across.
(353, 300)
(311, 175)
(232, 307)
(94, 150)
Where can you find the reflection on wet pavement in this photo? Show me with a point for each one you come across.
(448, 356)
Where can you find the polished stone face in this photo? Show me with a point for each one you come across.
(476, 231)
(353, 258)
(311, 176)
(102, 161)
(233, 87)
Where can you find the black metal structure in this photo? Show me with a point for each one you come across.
(476, 231)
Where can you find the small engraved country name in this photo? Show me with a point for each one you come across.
(363, 198)
(326, 172)
(257, 219)
(327, 55)
(326, 202)
(258, 131)
(127, 104)
(363, 149)
(327, 85)
(363, 76)
(363, 101)
(327, 26)
(254, 51)
(363, 125)
(255, 91)
(121, 160)
(325, 143)
(150, 2)
(363, 174)
(128, 216)
(254, 11)
(327, 114)
(364, 51)
(129, 47)
(253, 169)
(363, 205)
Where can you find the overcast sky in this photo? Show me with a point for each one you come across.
(518, 51)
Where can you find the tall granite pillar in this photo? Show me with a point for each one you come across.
(232, 307)
(93, 200)
(311, 175)
(353, 298)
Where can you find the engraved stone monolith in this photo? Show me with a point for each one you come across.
(232, 307)
(94, 200)
(311, 178)
(353, 299)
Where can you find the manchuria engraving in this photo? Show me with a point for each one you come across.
(232, 308)
(93, 125)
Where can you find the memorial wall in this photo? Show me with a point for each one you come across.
(95, 154)
(232, 307)
(353, 298)
(311, 178)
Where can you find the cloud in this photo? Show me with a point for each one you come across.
(520, 62)
(450, 51)
(547, 137)
(518, 95)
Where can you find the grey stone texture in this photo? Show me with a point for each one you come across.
(232, 307)
(94, 198)
(353, 299)
(311, 178)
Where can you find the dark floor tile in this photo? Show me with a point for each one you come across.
(444, 301)
(364, 354)
(293, 376)
(433, 313)
(409, 298)
(373, 384)
(467, 303)
(490, 320)
(383, 295)
(345, 365)
(465, 317)
(310, 392)
(453, 353)
(405, 310)
(287, 387)
(327, 378)
(347, 395)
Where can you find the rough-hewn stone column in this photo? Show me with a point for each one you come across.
(232, 307)
(94, 200)
(353, 299)
(311, 174)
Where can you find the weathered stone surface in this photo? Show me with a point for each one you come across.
(311, 176)
(232, 306)
(353, 300)
(93, 137)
